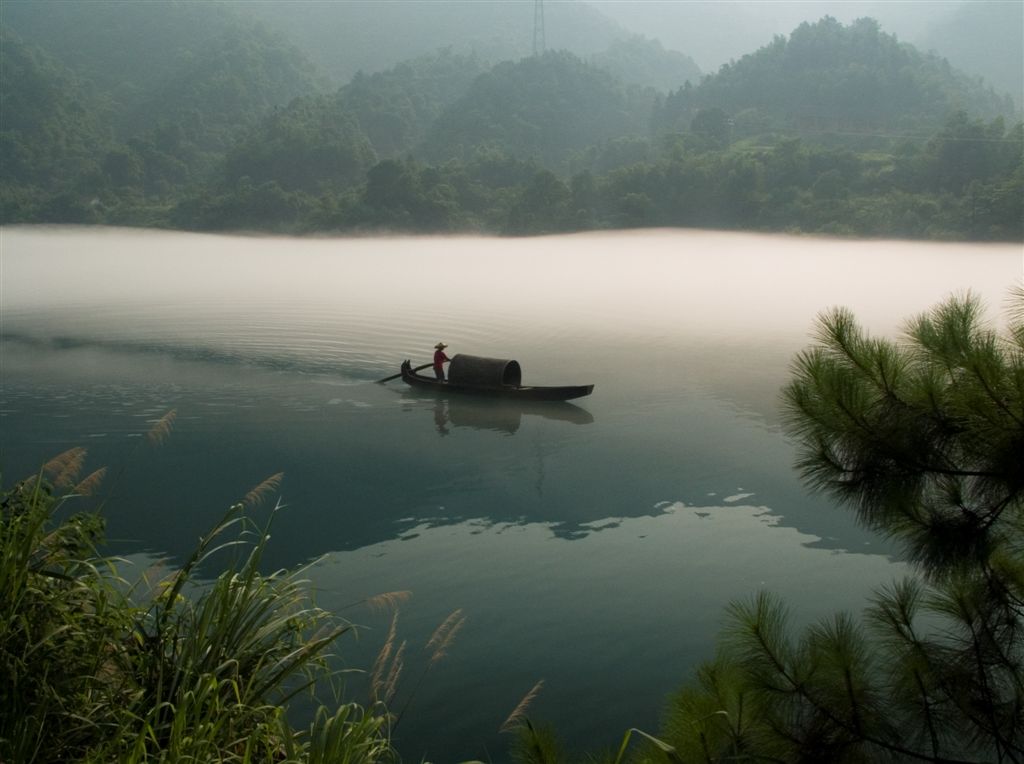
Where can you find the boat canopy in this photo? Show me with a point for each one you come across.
(490, 372)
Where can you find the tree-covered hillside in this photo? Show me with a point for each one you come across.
(827, 77)
(52, 125)
(545, 107)
(154, 60)
(397, 107)
(176, 83)
(834, 129)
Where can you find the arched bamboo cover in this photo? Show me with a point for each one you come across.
(491, 372)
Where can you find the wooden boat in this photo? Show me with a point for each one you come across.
(495, 377)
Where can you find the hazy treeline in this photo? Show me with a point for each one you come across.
(201, 116)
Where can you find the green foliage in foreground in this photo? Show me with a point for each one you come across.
(924, 440)
(170, 670)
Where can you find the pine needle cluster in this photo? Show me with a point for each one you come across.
(924, 439)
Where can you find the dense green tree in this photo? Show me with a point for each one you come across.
(248, 206)
(403, 195)
(226, 87)
(157, 59)
(51, 128)
(542, 206)
(309, 145)
(395, 108)
(712, 127)
(924, 441)
(966, 151)
(827, 79)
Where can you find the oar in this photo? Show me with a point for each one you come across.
(396, 376)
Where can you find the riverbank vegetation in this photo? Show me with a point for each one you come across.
(923, 440)
(171, 668)
(835, 129)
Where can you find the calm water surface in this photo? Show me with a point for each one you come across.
(593, 545)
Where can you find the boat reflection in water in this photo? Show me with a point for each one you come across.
(495, 414)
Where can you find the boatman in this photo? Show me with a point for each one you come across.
(440, 359)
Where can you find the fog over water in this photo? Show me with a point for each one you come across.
(594, 545)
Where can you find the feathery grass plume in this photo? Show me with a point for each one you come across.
(518, 715)
(388, 600)
(256, 496)
(90, 483)
(439, 642)
(62, 470)
(160, 431)
(444, 635)
(377, 674)
(394, 673)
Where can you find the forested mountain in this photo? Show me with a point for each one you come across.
(984, 38)
(124, 48)
(544, 107)
(229, 83)
(827, 77)
(312, 144)
(397, 107)
(178, 83)
(155, 60)
(201, 117)
(52, 127)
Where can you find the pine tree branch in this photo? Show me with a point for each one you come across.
(801, 689)
(1000, 403)
(989, 702)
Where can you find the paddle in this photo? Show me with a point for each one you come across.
(396, 376)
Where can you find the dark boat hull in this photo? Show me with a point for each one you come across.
(522, 392)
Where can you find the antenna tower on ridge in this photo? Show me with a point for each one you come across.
(539, 44)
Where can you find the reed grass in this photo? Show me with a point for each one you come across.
(63, 469)
(176, 669)
(387, 600)
(161, 429)
(518, 715)
(258, 494)
(90, 483)
(443, 637)
(382, 664)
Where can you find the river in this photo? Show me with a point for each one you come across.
(594, 545)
